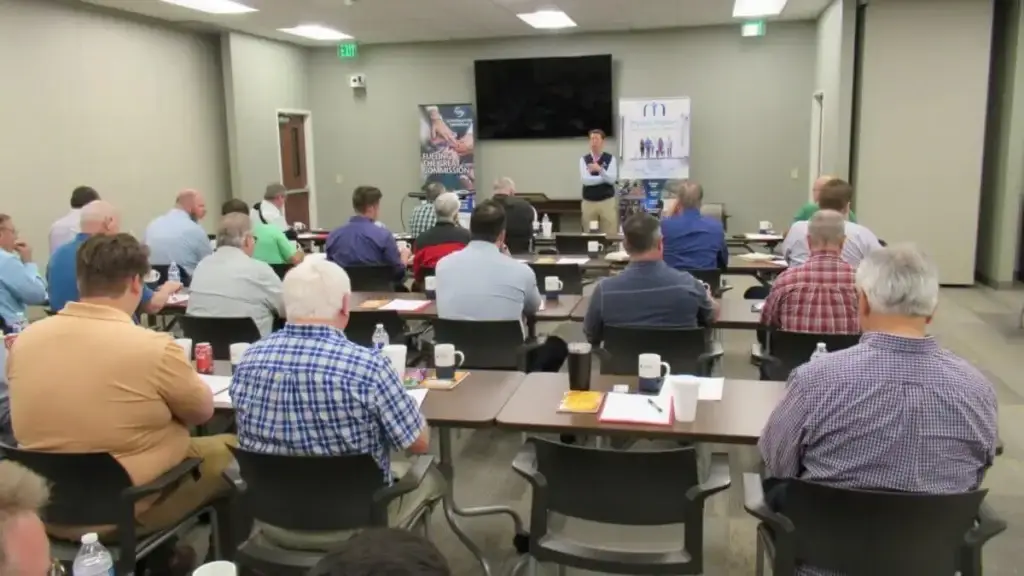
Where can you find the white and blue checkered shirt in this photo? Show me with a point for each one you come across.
(306, 390)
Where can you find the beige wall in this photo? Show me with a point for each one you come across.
(132, 109)
(750, 127)
(922, 124)
(834, 78)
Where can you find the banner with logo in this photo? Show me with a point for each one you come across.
(654, 140)
(446, 149)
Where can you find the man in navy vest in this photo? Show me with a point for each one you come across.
(598, 173)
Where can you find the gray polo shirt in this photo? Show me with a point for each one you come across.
(647, 294)
(228, 283)
(480, 283)
(859, 242)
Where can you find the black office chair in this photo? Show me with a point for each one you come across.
(94, 490)
(161, 269)
(571, 276)
(683, 349)
(315, 493)
(221, 333)
(282, 269)
(576, 243)
(487, 345)
(519, 244)
(870, 533)
(371, 278)
(637, 488)
(717, 211)
(788, 350)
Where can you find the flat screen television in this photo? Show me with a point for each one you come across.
(543, 97)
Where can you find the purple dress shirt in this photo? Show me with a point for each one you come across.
(363, 243)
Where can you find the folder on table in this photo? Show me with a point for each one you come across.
(581, 401)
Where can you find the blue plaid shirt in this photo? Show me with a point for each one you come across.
(306, 390)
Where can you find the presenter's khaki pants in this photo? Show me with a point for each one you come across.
(606, 212)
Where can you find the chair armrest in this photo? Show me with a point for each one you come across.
(165, 480)
(772, 367)
(421, 464)
(719, 478)
(989, 525)
(525, 464)
(233, 476)
(755, 504)
(706, 361)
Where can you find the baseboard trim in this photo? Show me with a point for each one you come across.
(1004, 285)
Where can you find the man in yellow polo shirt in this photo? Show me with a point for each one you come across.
(272, 246)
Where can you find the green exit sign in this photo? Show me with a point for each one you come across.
(753, 29)
(348, 50)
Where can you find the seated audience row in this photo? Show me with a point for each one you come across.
(363, 242)
(834, 195)
(20, 282)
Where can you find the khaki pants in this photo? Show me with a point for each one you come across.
(401, 512)
(606, 212)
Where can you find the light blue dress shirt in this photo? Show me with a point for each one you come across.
(20, 286)
(607, 176)
(174, 237)
(480, 283)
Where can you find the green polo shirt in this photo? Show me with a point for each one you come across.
(272, 246)
(808, 210)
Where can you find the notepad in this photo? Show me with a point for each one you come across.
(417, 394)
(217, 384)
(710, 388)
(572, 260)
(372, 304)
(767, 237)
(405, 305)
(177, 298)
(581, 401)
(637, 409)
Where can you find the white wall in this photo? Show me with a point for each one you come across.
(750, 115)
(834, 78)
(132, 109)
(922, 123)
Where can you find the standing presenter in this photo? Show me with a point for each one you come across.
(598, 173)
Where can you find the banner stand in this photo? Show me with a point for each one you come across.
(447, 151)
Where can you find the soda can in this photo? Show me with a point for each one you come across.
(9, 340)
(204, 358)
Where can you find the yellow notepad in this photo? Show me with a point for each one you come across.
(433, 383)
(581, 402)
(373, 304)
(544, 260)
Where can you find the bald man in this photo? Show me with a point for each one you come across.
(808, 210)
(177, 236)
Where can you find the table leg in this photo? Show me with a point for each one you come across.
(451, 509)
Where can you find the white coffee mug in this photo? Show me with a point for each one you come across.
(236, 351)
(594, 246)
(151, 276)
(764, 225)
(552, 284)
(218, 568)
(651, 365)
(430, 283)
(685, 392)
(397, 354)
(403, 245)
(594, 225)
(186, 346)
(445, 355)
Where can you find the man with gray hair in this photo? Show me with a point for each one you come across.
(271, 209)
(445, 237)
(819, 296)
(231, 284)
(895, 412)
(692, 241)
(424, 217)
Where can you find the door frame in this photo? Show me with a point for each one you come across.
(307, 129)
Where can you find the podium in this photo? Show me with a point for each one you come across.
(554, 208)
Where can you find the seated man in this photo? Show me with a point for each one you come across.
(99, 218)
(444, 238)
(380, 551)
(482, 282)
(20, 282)
(820, 295)
(808, 210)
(647, 294)
(834, 195)
(362, 242)
(231, 284)
(117, 388)
(423, 216)
(176, 237)
(271, 209)
(692, 241)
(66, 227)
(895, 412)
(272, 244)
(520, 216)
(311, 370)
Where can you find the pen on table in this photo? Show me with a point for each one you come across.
(654, 405)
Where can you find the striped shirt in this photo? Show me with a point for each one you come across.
(817, 297)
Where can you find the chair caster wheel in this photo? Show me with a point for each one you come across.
(521, 541)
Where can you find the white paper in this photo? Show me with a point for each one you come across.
(757, 306)
(710, 388)
(418, 394)
(576, 261)
(781, 262)
(757, 256)
(618, 256)
(404, 305)
(217, 384)
(770, 237)
(637, 408)
(222, 399)
(177, 298)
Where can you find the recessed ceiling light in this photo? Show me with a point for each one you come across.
(547, 19)
(213, 6)
(316, 32)
(757, 8)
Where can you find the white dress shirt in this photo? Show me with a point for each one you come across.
(65, 229)
(271, 214)
(859, 242)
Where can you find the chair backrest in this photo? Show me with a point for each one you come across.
(161, 269)
(713, 278)
(312, 492)
(571, 276)
(361, 326)
(221, 333)
(371, 278)
(519, 244)
(794, 348)
(715, 210)
(870, 533)
(281, 269)
(85, 489)
(575, 243)
(499, 350)
(680, 347)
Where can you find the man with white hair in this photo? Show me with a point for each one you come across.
(423, 217)
(520, 216)
(330, 397)
(445, 237)
(895, 412)
(176, 237)
(230, 283)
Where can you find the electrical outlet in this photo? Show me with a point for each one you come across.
(794, 173)
(338, 179)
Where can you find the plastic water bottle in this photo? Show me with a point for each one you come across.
(173, 273)
(820, 351)
(380, 337)
(92, 558)
(19, 324)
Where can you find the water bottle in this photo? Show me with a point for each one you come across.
(380, 337)
(19, 324)
(820, 351)
(92, 558)
(173, 274)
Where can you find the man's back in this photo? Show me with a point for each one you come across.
(361, 242)
(175, 237)
(60, 274)
(859, 243)
(694, 242)
(818, 297)
(231, 284)
(481, 283)
(423, 217)
(272, 245)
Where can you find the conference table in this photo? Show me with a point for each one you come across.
(733, 313)
(560, 309)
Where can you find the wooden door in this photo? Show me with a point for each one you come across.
(293, 151)
(296, 207)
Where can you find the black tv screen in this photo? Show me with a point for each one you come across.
(543, 97)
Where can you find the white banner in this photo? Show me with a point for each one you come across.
(654, 139)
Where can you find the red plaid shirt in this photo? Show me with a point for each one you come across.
(817, 297)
